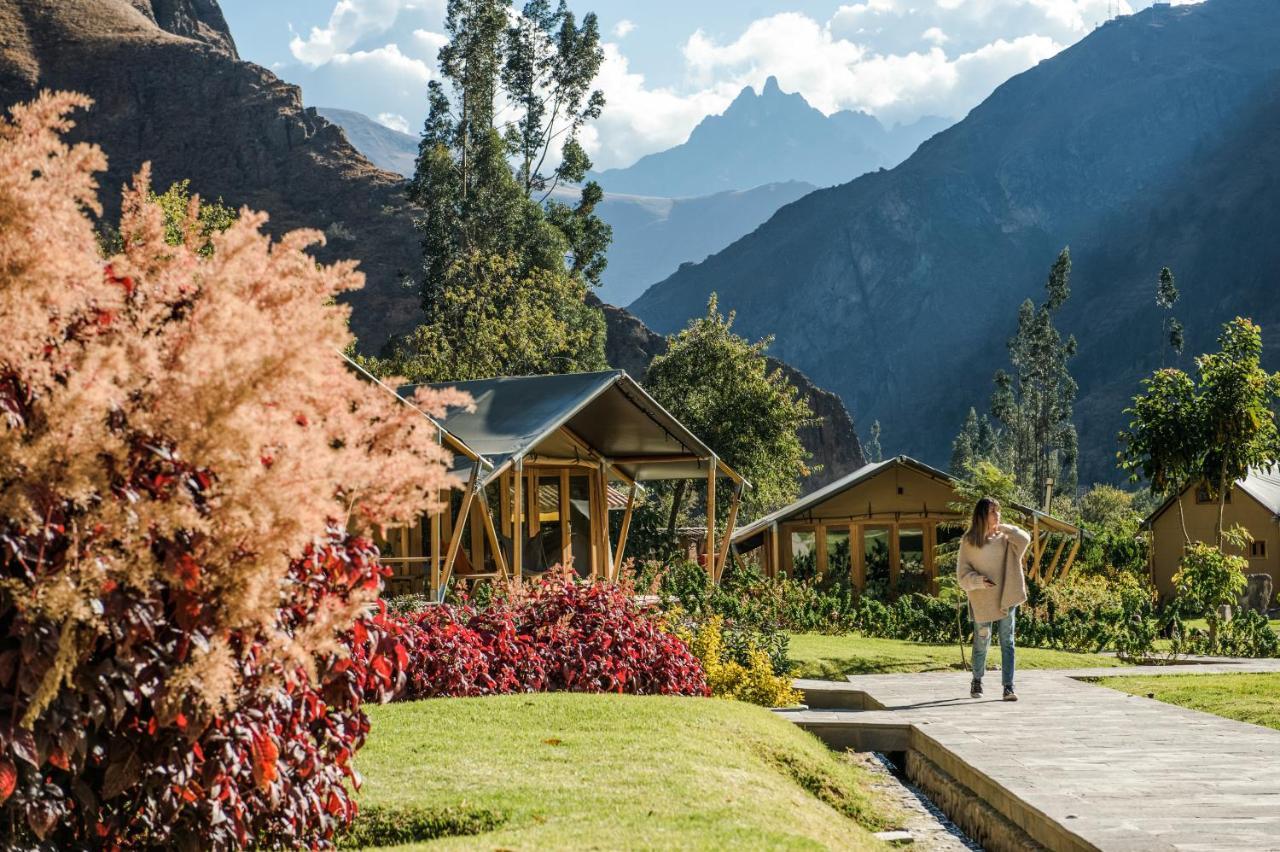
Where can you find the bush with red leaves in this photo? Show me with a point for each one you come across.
(558, 635)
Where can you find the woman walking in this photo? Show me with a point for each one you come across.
(989, 569)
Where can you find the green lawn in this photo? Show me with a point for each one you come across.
(610, 771)
(1244, 697)
(833, 657)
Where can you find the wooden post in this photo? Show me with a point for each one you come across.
(1053, 563)
(436, 533)
(606, 550)
(728, 531)
(534, 509)
(1071, 557)
(1035, 546)
(498, 558)
(930, 562)
(517, 519)
(711, 520)
(787, 564)
(895, 557)
(858, 557)
(477, 531)
(455, 541)
(774, 550)
(819, 550)
(622, 533)
(566, 540)
(504, 502)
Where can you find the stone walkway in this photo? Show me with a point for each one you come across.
(1077, 765)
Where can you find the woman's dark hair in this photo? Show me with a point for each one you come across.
(976, 535)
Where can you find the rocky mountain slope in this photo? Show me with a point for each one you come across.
(770, 137)
(1149, 142)
(169, 88)
(832, 442)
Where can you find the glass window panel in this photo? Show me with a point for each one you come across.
(804, 554)
(911, 573)
(838, 560)
(875, 551)
(580, 524)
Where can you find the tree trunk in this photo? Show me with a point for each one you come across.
(1182, 516)
(677, 500)
(1222, 500)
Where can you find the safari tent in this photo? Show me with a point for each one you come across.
(1254, 503)
(883, 524)
(545, 459)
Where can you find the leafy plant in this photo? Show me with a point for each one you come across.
(1207, 580)
(753, 681)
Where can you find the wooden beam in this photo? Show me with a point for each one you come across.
(566, 537)
(622, 533)
(517, 532)
(1035, 546)
(504, 502)
(858, 556)
(1053, 563)
(820, 550)
(895, 557)
(711, 523)
(534, 510)
(455, 541)
(657, 459)
(728, 532)
(582, 445)
(477, 532)
(930, 560)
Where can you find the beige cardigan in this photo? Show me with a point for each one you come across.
(1000, 561)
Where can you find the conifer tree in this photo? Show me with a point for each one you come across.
(1034, 403)
(873, 451)
(1166, 297)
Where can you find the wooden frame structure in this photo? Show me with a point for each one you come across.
(896, 502)
(546, 460)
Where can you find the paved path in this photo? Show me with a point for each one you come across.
(1115, 771)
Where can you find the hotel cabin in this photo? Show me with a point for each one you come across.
(544, 460)
(1253, 503)
(883, 524)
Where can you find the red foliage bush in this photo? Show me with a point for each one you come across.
(558, 635)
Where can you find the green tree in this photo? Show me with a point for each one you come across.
(1171, 329)
(476, 173)
(873, 451)
(719, 385)
(185, 216)
(1212, 431)
(494, 319)
(1035, 402)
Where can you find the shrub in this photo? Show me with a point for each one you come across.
(753, 681)
(1091, 613)
(178, 434)
(376, 826)
(558, 634)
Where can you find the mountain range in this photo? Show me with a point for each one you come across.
(770, 137)
(1152, 141)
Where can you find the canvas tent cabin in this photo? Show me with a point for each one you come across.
(883, 523)
(1254, 503)
(546, 459)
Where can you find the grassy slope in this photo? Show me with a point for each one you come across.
(1251, 698)
(607, 771)
(833, 657)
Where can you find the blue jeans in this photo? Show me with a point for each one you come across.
(982, 641)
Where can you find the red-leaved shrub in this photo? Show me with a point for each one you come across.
(186, 629)
(556, 634)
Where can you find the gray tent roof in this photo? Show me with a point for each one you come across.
(744, 534)
(518, 417)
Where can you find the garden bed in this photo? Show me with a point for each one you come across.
(609, 771)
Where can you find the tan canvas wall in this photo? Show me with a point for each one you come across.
(920, 495)
(1167, 540)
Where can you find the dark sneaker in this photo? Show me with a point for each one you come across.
(1009, 694)
(975, 689)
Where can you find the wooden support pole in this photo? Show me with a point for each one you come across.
(773, 551)
(930, 561)
(455, 541)
(517, 520)
(895, 560)
(477, 532)
(499, 558)
(819, 550)
(504, 502)
(858, 552)
(566, 534)
(534, 510)
(622, 533)
(606, 547)
(728, 532)
(1071, 557)
(1053, 563)
(711, 520)
(435, 549)
(1035, 546)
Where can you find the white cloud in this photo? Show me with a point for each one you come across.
(352, 22)
(394, 120)
(623, 28)
(935, 35)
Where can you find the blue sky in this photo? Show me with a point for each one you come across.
(669, 64)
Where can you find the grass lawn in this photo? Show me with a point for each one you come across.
(612, 771)
(1244, 697)
(833, 657)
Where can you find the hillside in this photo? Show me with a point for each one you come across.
(652, 236)
(1139, 146)
(770, 137)
(169, 88)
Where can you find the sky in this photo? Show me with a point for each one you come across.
(670, 63)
